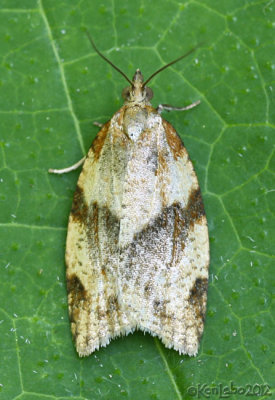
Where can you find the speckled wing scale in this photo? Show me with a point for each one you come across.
(137, 247)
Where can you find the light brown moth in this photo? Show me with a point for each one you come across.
(137, 250)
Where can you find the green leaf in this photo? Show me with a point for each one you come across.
(52, 88)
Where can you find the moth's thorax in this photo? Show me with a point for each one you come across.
(137, 99)
(135, 121)
(137, 93)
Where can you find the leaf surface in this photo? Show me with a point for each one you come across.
(53, 86)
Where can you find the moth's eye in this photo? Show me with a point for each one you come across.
(126, 93)
(149, 93)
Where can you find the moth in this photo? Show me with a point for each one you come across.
(137, 251)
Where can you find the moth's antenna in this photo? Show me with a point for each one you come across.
(168, 65)
(106, 59)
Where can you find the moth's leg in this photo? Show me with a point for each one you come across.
(98, 124)
(166, 107)
(76, 165)
(68, 169)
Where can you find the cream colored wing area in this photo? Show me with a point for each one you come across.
(154, 179)
(92, 280)
(103, 174)
(164, 270)
(164, 275)
(92, 255)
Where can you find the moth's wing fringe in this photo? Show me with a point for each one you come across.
(104, 341)
(126, 331)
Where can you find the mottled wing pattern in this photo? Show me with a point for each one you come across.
(92, 255)
(165, 267)
(137, 247)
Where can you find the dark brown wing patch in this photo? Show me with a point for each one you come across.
(174, 141)
(195, 209)
(198, 295)
(173, 222)
(99, 140)
(79, 209)
(77, 296)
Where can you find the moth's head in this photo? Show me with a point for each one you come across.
(137, 92)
